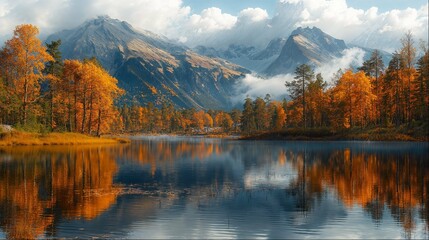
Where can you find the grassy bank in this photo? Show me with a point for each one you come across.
(19, 138)
(373, 134)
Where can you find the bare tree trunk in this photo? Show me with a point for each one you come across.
(75, 106)
(84, 111)
(303, 101)
(24, 106)
(90, 112)
(51, 106)
(69, 106)
(99, 122)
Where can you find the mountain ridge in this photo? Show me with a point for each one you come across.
(151, 68)
(306, 45)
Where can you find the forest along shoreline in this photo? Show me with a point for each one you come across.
(21, 138)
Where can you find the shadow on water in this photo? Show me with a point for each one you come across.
(210, 188)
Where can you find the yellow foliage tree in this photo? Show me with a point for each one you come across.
(88, 95)
(279, 116)
(353, 93)
(224, 121)
(25, 58)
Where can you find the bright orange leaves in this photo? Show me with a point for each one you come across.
(353, 95)
(22, 61)
(80, 95)
(86, 98)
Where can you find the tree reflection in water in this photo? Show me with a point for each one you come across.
(374, 181)
(70, 183)
(41, 186)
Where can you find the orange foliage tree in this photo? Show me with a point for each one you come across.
(23, 59)
(224, 121)
(316, 102)
(87, 97)
(353, 93)
(278, 119)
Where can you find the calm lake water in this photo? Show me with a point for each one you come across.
(179, 187)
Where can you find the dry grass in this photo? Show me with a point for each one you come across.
(374, 134)
(18, 138)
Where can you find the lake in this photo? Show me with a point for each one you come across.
(190, 187)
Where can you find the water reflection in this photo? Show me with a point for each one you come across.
(40, 186)
(209, 188)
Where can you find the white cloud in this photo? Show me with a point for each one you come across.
(212, 19)
(3, 9)
(55, 15)
(290, 1)
(372, 13)
(397, 20)
(254, 86)
(305, 14)
(351, 57)
(369, 28)
(253, 15)
(366, 27)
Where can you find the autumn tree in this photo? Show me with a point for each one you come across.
(224, 121)
(260, 114)
(70, 94)
(316, 101)
(103, 92)
(422, 87)
(353, 93)
(25, 57)
(208, 121)
(278, 119)
(373, 68)
(88, 92)
(393, 91)
(198, 120)
(10, 107)
(3, 103)
(53, 72)
(408, 55)
(167, 111)
(248, 124)
(297, 88)
(236, 118)
(186, 118)
(285, 109)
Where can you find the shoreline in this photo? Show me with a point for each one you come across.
(377, 135)
(18, 138)
(291, 135)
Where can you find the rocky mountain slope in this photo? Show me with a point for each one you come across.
(306, 45)
(152, 68)
(282, 55)
(249, 57)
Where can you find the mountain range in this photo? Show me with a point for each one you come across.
(282, 55)
(152, 68)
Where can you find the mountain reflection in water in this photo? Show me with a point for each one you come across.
(209, 188)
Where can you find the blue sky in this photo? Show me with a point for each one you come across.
(226, 23)
(235, 6)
